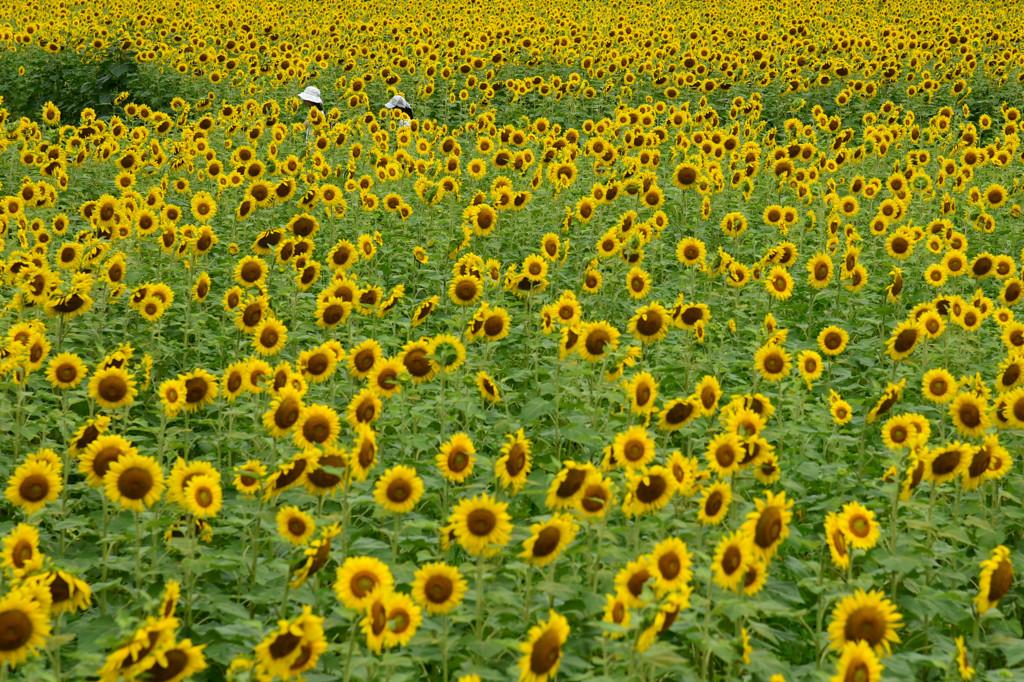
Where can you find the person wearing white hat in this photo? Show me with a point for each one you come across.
(311, 98)
(400, 103)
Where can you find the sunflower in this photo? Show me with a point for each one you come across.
(598, 339)
(364, 408)
(317, 426)
(363, 455)
(548, 539)
(634, 448)
(649, 490)
(858, 525)
(134, 656)
(542, 650)
(293, 648)
(465, 290)
(134, 481)
(768, 525)
(97, 457)
(455, 460)
(488, 387)
(23, 627)
(723, 454)
(316, 555)
(33, 485)
(514, 465)
(438, 588)
(176, 662)
(359, 579)
(112, 387)
(269, 336)
(398, 489)
(295, 525)
(250, 271)
(832, 340)
(970, 414)
(66, 370)
(650, 323)
(567, 487)
(938, 385)
(670, 565)
(482, 525)
(904, 339)
(963, 662)
(996, 579)
(391, 620)
(835, 536)
(946, 463)
(417, 361)
(494, 324)
(203, 496)
(616, 612)
(772, 362)
(858, 662)
(638, 282)
(67, 594)
(284, 412)
(642, 390)
(714, 503)
(891, 395)
(248, 477)
(865, 617)
(810, 365)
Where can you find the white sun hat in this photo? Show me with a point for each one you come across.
(397, 102)
(311, 94)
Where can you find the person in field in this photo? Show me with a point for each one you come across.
(400, 103)
(311, 98)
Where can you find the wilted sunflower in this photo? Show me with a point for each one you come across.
(315, 556)
(542, 650)
(891, 395)
(865, 617)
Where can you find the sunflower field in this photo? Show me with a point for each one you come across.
(663, 341)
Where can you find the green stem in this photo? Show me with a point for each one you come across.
(480, 598)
